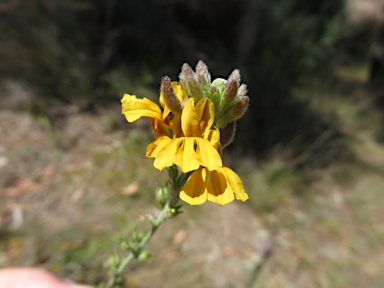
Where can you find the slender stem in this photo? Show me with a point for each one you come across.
(124, 263)
(155, 225)
(169, 210)
(160, 219)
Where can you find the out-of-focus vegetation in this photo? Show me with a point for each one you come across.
(95, 50)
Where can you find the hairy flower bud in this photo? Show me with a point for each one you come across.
(242, 91)
(230, 91)
(202, 81)
(235, 76)
(213, 90)
(202, 73)
(214, 93)
(190, 83)
(187, 70)
(227, 134)
(183, 82)
(238, 110)
(227, 95)
(170, 98)
(195, 89)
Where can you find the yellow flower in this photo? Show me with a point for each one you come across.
(220, 186)
(198, 147)
(194, 142)
(161, 121)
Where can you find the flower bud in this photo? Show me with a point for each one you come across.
(136, 235)
(169, 95)
(162, 194)
(227, 134)
(228, 96)
(125, 244)
(235, 76)
(219, 83)
(202, 73)
(145, 255)
(195, 89)
(190, 83)
(216, 91)
(213, 90)
(242, 91)
(238, 110)
(114, 261)
(202, 81)
(230, 92)
(187, 70)
(183, 81)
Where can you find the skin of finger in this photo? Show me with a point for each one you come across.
(32, 278)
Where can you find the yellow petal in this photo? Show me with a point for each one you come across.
(159, 127)
(165, 155)
(213, 136)
(205, 111)
(166, 111)
(194, 191)
(180, 93)
(218, 189)
(134, 108)
(174, 122)
(186, 156)
(150, 148)
(189, 120)
(157, 145)
(235, 183)
(208, 155)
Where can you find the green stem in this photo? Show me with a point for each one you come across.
(155, 225)
(169, 210)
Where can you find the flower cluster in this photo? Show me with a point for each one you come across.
(196, 121)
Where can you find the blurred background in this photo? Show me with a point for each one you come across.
(310, 150)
